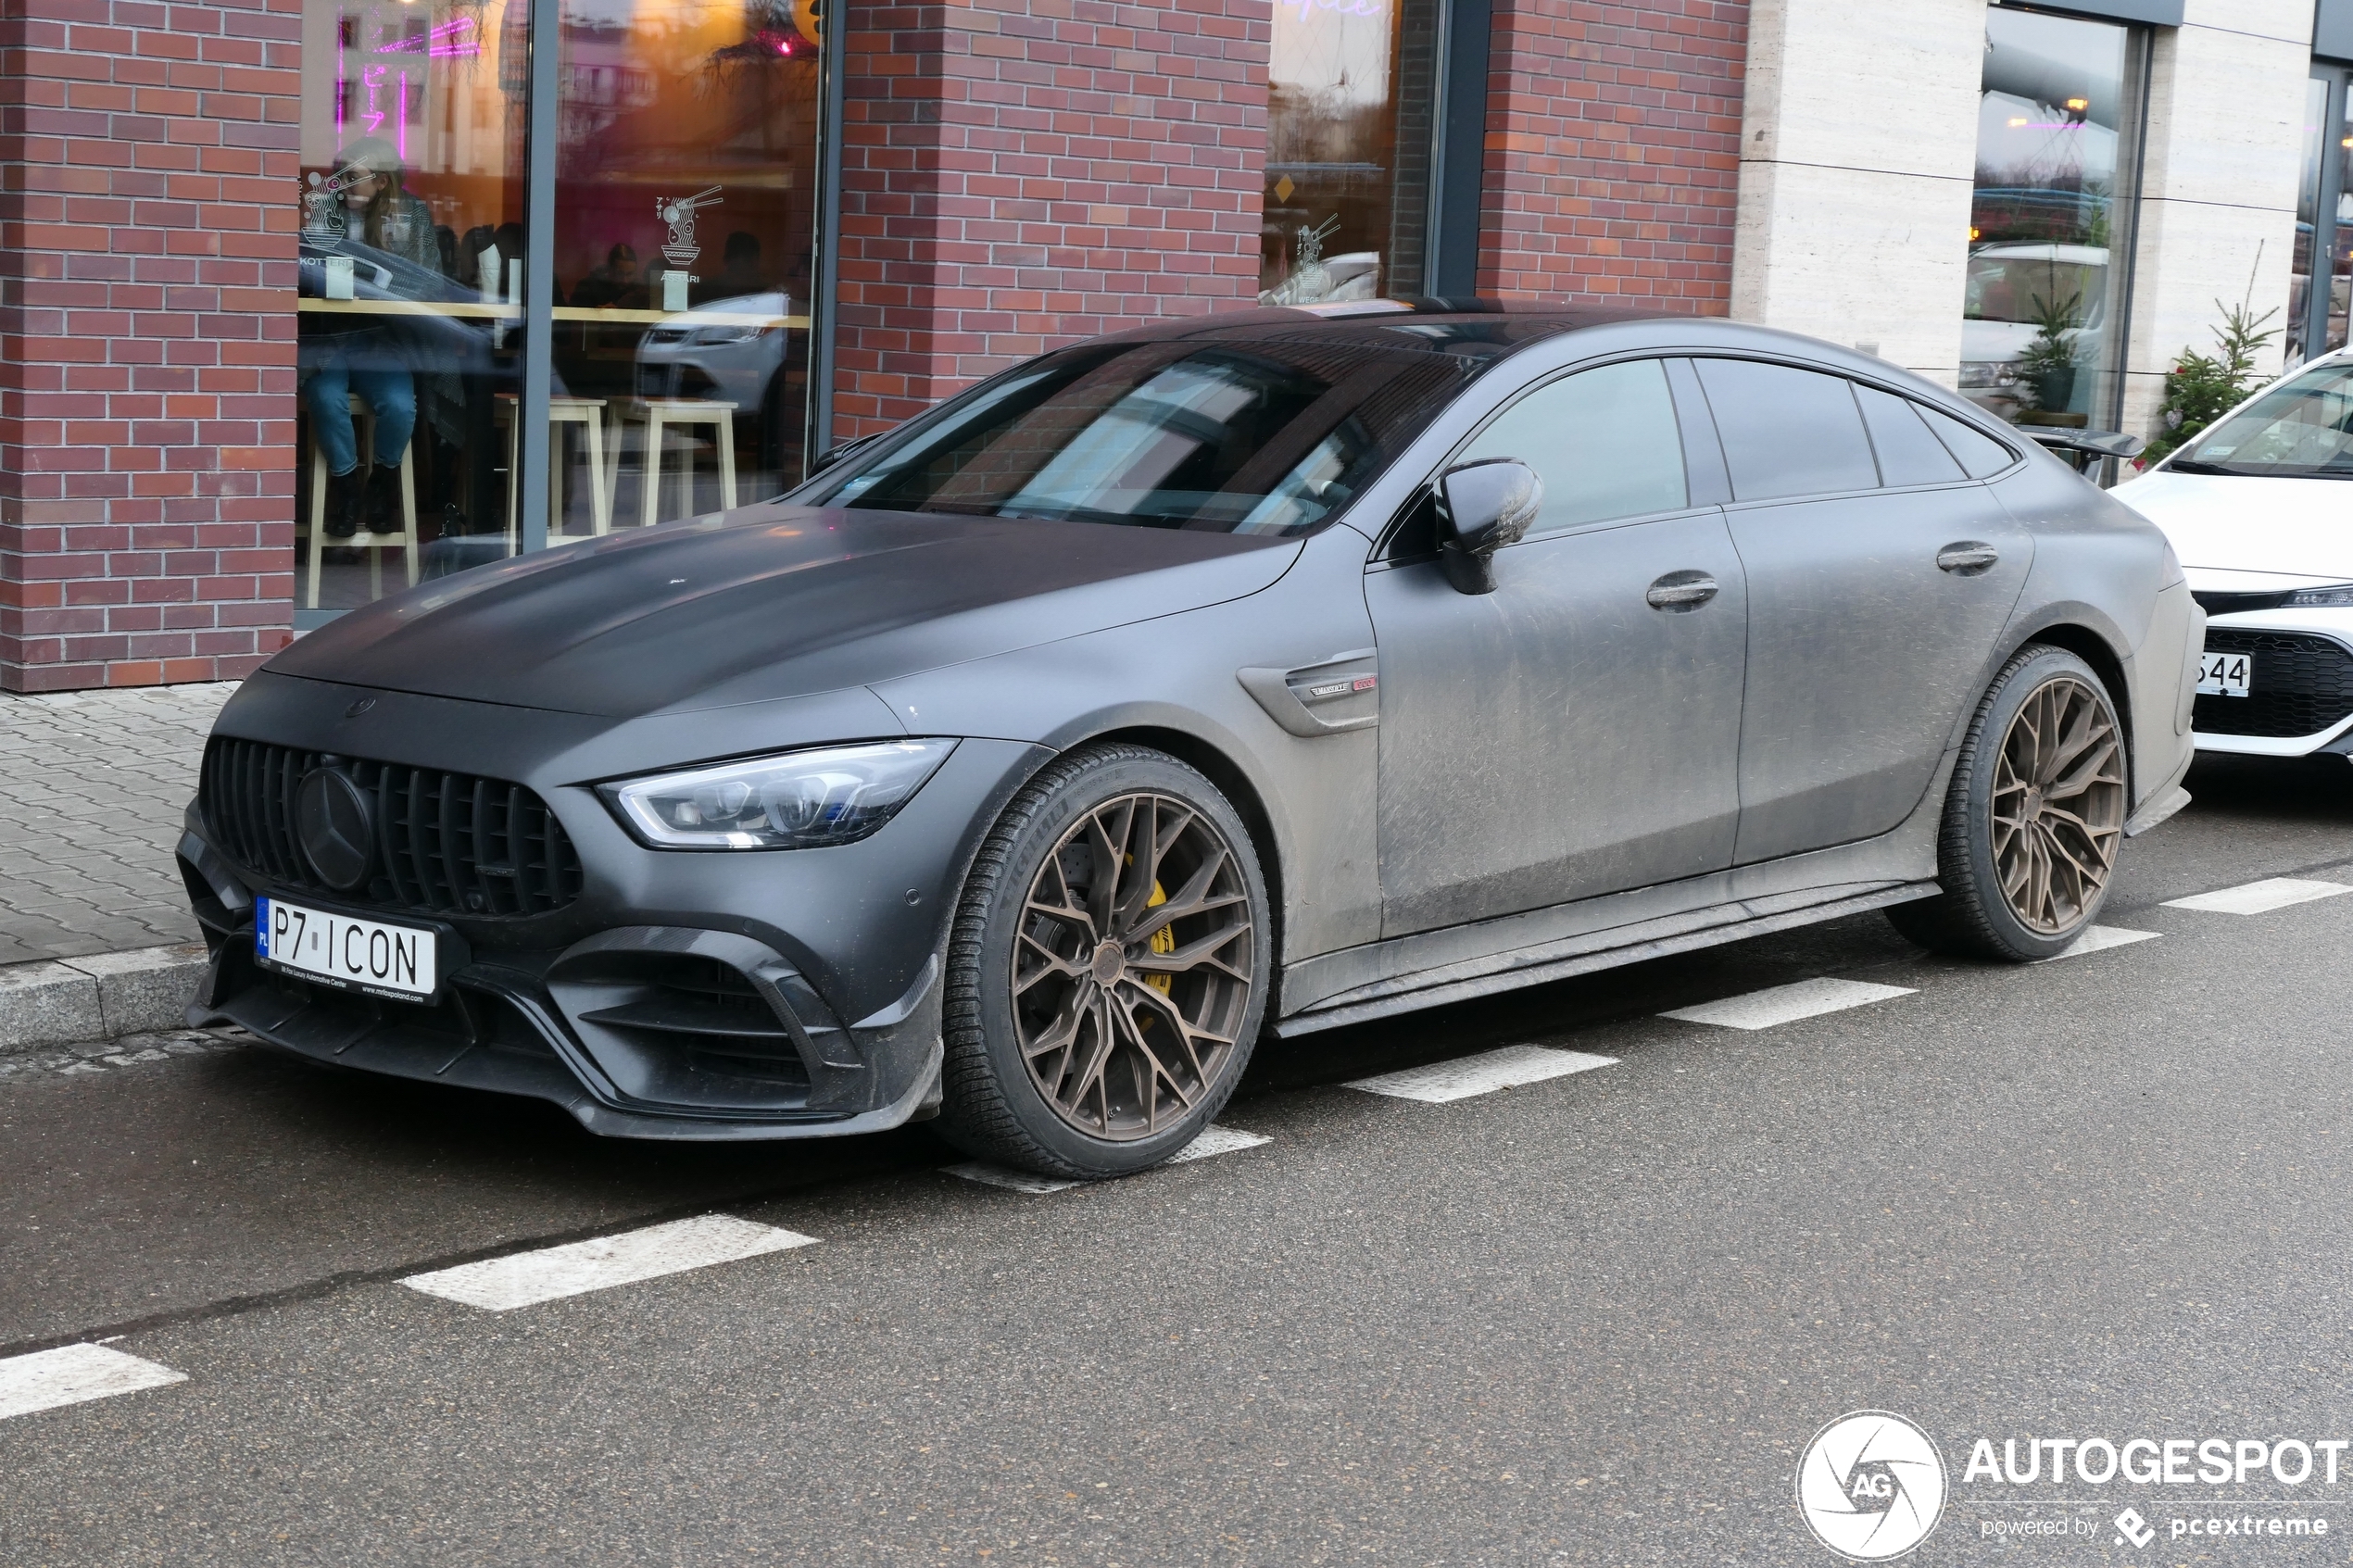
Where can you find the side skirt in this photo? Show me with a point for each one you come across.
(1534, 966)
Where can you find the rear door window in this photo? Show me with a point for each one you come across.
(1908, 452)
(1978, 452)
(1605, 441)
(1787, 431)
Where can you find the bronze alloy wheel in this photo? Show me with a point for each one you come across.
(2058, 805)
(1131, 974)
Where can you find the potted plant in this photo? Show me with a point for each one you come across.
(2047, 368)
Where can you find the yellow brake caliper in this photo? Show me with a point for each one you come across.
(1163, 941)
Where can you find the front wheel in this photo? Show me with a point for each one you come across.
(2033, 817)
(1107, 971)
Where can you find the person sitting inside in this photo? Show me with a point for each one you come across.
(739, 267)
(615, 285)
(347, 356)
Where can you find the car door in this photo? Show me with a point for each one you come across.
(1576, 731)
(1881, 572)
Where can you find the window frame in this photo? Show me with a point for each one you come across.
(1386, 549)
(1975, 419)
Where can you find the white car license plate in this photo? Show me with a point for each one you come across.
(2224, 674)
(360, 955)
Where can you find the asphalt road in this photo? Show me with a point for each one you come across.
(1593, 1320)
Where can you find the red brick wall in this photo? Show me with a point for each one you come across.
(1613, 150)
(147, 339)
(1018, 173)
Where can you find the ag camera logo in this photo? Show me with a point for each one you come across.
(1871, 1486)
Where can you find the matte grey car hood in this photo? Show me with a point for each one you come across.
(770, 602)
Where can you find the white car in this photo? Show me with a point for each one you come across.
(2259, 509)
(2009, 285)
(728, 349)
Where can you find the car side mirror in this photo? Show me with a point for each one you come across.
(1483, 507)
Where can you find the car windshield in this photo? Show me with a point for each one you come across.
(2303, 426)
(1267, 437)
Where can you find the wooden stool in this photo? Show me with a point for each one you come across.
(660, 414)
(589, 413)
(374, 544)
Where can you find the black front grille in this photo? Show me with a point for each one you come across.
(2298, 685)
(446, 844)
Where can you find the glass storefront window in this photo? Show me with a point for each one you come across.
(408, 314)
(686, 183)
(1350, 129)
(2042, 334)
(2307, 210)
(2340, 248)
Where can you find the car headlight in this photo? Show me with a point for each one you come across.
(2338, 597)
(712, 335)
(795, 800)
(1988, 372)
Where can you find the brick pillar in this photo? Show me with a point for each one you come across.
(1019, 173)
(1613, 151)
(147, 166)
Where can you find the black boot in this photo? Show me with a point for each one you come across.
(344, 493)
(383, 511)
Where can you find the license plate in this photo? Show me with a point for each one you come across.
(2224, 674)
(358, 955)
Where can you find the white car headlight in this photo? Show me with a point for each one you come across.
(2338, 597)
(795, 800)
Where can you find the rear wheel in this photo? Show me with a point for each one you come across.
(1106, 974)
(2033, 817)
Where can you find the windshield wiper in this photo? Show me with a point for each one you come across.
(2191, 465)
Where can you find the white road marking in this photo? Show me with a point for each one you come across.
(1787, 1004)
(989, 1175)
(1489, 1070)
(2099, 938)
(500, 1285)
(73, 1373)
(1214, 1140)
(2259, 898)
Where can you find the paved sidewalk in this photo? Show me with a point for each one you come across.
(91, 788)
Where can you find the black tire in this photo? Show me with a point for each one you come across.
(1019, 972)
(2048, 717)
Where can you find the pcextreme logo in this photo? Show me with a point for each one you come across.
(1871, 1486)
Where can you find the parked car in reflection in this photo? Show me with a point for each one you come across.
(2012, 289)
(1249, 675)
(2257, 508)
(727, 350)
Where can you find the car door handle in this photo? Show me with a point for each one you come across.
(1681, 591)
(1967, 558)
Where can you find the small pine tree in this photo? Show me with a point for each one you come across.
(2201, 388)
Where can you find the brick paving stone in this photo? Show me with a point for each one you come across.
(97, 782)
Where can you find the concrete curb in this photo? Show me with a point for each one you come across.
(97, 997)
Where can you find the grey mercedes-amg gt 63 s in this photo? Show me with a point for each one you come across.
(1231, 679)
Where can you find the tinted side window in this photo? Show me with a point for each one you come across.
(1907, 453)
(1787, 431)
(1982, 454)
(1605, 441)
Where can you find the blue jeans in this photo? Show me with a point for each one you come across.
(327, 394)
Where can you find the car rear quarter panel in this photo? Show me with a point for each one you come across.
(2101, 568)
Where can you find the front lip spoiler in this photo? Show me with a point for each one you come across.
(559, 1076)
(552, 1065)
